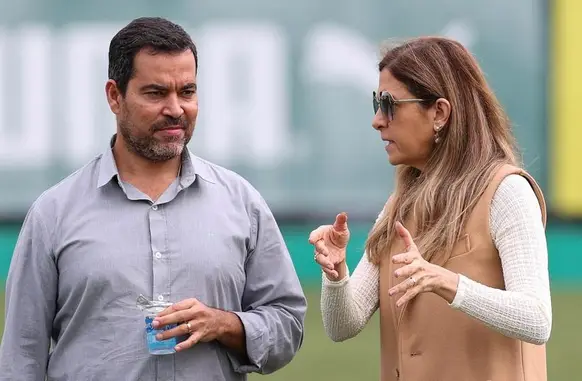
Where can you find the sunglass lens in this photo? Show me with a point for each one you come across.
(387, 106)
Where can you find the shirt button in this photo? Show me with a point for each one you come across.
(154, 207)
(158, 255)
(160, 298)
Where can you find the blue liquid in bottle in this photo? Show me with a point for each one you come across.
(157, 347)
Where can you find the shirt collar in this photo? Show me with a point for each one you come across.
(192, 167)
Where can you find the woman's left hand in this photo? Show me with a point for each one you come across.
(422, 275)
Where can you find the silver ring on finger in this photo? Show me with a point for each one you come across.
(189, 327)
(413, 281)
(315, 256)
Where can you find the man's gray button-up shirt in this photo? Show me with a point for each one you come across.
(91, 244)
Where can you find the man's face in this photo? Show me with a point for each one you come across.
(156, 117)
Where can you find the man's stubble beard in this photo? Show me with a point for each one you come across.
(149, 147)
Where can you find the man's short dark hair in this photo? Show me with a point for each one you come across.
(155, 33)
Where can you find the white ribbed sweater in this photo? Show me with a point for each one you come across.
(522, 311)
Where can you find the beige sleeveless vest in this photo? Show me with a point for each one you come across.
(427, 340)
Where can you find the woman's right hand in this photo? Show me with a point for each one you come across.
(330, 242)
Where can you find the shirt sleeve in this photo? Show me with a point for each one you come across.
(273, 303)
(31, 290)
(523, 310)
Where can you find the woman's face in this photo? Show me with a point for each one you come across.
(410, 133)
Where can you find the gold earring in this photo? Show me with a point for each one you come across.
(437, 138)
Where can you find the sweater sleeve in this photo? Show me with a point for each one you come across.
(348, 304)
(523, 310)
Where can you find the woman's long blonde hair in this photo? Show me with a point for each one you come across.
(476, 140)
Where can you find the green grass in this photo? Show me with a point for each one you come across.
(358, 358)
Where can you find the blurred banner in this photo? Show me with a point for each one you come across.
(566, 129)
(285, 89)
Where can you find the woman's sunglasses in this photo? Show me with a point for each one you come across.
(387, 103)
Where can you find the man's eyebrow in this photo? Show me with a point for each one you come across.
(154, 86)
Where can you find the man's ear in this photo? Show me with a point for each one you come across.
(114, 96)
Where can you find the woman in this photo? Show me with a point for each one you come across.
(456, 262)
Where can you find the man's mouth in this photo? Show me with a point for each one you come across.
(171, 128)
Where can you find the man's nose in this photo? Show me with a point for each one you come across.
(173, 107)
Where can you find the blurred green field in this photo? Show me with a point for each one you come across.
(357, 359)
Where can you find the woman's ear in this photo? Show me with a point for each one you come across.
(442, 113)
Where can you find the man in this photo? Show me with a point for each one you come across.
(148, 217)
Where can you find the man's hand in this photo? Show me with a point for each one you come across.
(203, 324)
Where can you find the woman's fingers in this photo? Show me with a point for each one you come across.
(323, 260)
